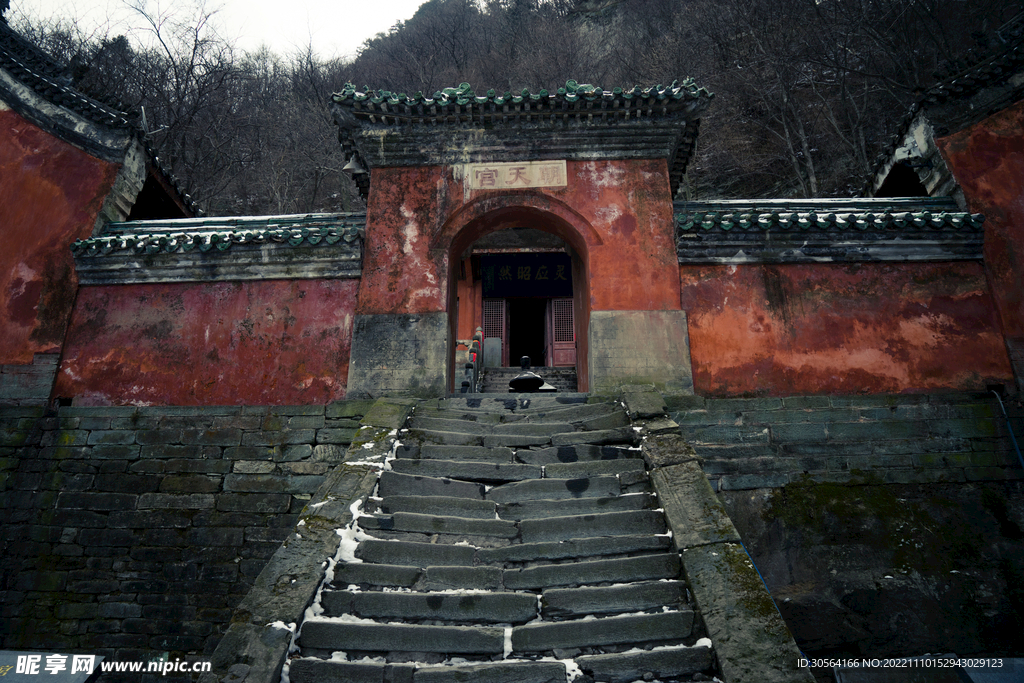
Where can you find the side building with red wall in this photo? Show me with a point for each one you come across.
(965, 139)
(68, 164)
(229, 311)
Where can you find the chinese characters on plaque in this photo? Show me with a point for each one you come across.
(515, 175)
(510, 275)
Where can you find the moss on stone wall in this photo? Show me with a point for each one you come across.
(924, 535)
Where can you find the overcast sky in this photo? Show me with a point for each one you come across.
(336, 28)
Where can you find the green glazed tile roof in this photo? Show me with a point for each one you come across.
(823, 230)
(219, 234)
(886, 216)
(463, 104)
(40, 72)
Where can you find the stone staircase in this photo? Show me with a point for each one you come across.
(512, 539)
(495, 380)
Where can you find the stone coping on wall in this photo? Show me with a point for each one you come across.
(826, 230)
(751, 639)
(307, 246)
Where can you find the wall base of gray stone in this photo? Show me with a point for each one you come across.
(639, 347)
(29, 384)
(399, 355)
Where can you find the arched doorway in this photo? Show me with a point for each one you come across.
(530, 233)
(517, 285)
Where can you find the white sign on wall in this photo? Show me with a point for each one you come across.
(516, 174)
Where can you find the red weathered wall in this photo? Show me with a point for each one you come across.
(987, 161)
(469, 293)
(853, 329)
(50, 195)
(616, 214)
(276, 342)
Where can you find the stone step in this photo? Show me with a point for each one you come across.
(443, 538)
(661, 664)
(398, 484)
(513, 402)
(632, 629)
(431, 409)
(584, 487)
(312, 670)
(606, 421)
(626, 570)
(414, 554)
(599, 437)
(460, 578)
(573, 549)
(520, 428)
(570, 454)
(563, 603)
(571, 413)
(439, 524)
(538, 509)
(512, 608)
(592, 525)
(498, 672)
(433, 436)
(324, 634)
(584, 416)
(436, 505)
(515, 440)
(365, 574)
(431, 578)
(469, 471)
(531, 404)
(575, 470)
(466, 453)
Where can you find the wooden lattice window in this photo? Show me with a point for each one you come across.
(494, 318)
(562, 322)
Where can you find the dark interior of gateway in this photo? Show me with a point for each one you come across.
(526, 326)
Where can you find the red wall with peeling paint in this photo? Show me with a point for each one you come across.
(272, 342)
(846, 329)
(987, 161)
(616, 214)
(50, 195)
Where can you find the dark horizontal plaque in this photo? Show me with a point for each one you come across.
(512, 275)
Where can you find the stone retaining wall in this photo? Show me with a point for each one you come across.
(133, 530)
(903, 439)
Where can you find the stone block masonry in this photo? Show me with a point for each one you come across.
(128, 531)
(28, 385)
(901, 439)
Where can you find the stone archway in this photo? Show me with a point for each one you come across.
(495, 213)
